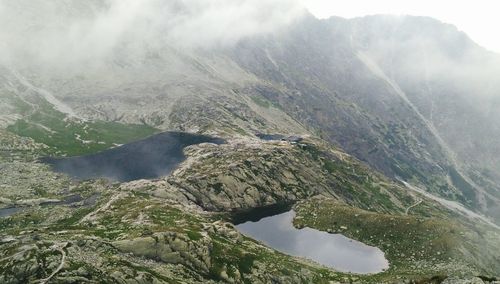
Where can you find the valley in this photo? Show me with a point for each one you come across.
(323, 151)
(174, 220)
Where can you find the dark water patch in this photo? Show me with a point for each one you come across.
(332, 250)
(256, 214)
(5, 212)
(91, 200)
(66, 201)
(270, 137)
(150, 158)
(71, 200)
(279, 137)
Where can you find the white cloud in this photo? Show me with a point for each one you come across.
(226, 21)
(479, 19)
(72, 31)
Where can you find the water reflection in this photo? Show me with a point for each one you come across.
(5, 212)
(332, 250)
(71, 200)
(152, 157)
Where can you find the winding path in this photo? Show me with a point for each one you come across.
(452, 205)
(410, 207)
(59, 248)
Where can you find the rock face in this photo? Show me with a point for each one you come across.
(170, 247)
(250, 173)
(258, 175)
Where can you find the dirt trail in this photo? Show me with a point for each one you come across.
(60, 248)
(454, 206)
(410, 207)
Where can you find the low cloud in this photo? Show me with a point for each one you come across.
(73, 31)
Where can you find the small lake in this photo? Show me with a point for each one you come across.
(68, 200)
(332, 250)
(5, 212)
(150, 158)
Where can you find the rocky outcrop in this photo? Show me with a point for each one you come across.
(249, 174)
(171, 247)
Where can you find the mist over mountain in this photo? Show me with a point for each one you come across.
(66, 32)
(423, 104)
(391, 118)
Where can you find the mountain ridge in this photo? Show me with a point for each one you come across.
(303, 70)
(392, 126)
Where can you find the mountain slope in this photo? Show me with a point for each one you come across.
(347, 81)
(394, 118)
(333, 84)
(176, 228)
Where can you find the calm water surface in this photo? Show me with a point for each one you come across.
(68, 200)
(152, 157)
(5, 212)
(332, 250)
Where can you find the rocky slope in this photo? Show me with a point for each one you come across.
(338, 78)
(176, 228)
(350, 82)
(369, 116)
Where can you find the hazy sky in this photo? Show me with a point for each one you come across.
(479, 18)
(48, 33)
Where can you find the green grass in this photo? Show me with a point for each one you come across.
(467, 190)
(194, 235)
(261, 101)
(67, 135)
(416, 247)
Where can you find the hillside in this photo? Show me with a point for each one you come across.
(381, 128)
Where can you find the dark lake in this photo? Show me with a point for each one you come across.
(150, 158)
(5, 212)
(332, 250)
(68, 200)
(270, 137)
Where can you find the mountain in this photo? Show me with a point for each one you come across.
(396, 118)
(363, 85)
